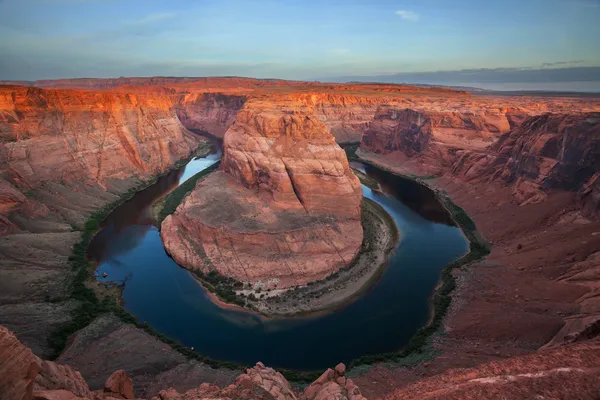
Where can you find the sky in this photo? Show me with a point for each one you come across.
(304, 39)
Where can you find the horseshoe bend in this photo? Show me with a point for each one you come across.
(238, 219)
(283, 211)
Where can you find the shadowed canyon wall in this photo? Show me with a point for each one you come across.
(533, 154)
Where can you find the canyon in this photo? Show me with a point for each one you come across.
(524, 168)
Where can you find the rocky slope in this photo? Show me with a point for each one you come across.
(23, 376)
(532, 194)
(284, 211)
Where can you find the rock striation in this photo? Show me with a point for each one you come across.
(285, 210)
(76, 136)
(208, 112)
(534, 155)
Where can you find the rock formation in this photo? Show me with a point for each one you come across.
(208, 112)
(525, 168)
(23, 376)
(285, 209)
(533, 155)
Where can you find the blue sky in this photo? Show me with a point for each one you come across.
(291, 39)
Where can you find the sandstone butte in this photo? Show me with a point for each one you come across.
(284, 210)
(522, 322)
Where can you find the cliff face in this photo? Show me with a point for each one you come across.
(288, 153)
(411, 130)
(533, 154)
(63, 155)
(75, 136)
(285, 209)
(209, 112)
(549, 152)
(23, 376)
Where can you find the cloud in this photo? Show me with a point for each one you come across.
(407, 15)
(561, 63)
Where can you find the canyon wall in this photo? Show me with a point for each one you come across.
(528, 178)
(75, 136)
(285, 210)
(533, 154)
(63, 155)
(208, 112)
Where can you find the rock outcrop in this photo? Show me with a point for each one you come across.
(541, 374)
(411, 130)
(24, 376)
(533, 155)
(549, 152)
(284, 211)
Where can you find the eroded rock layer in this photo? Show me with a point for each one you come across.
(77, 136)
(286, 207)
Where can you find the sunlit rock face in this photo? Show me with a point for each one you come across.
(284, 208)
(79, 136)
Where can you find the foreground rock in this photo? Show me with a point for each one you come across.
(24, 376)
(284, 211)
(540, 375)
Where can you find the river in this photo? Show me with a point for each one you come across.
(157, 291)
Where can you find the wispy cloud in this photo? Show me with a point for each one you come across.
(151, 18)
(408, 15)
(562, 63)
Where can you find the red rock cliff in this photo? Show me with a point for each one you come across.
(78, 136)
(285, 209)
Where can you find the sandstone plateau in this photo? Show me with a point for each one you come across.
(285, 210)
(522, 322)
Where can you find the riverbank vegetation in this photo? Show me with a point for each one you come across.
(88, 306)
(168, 204)
(419, 348)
